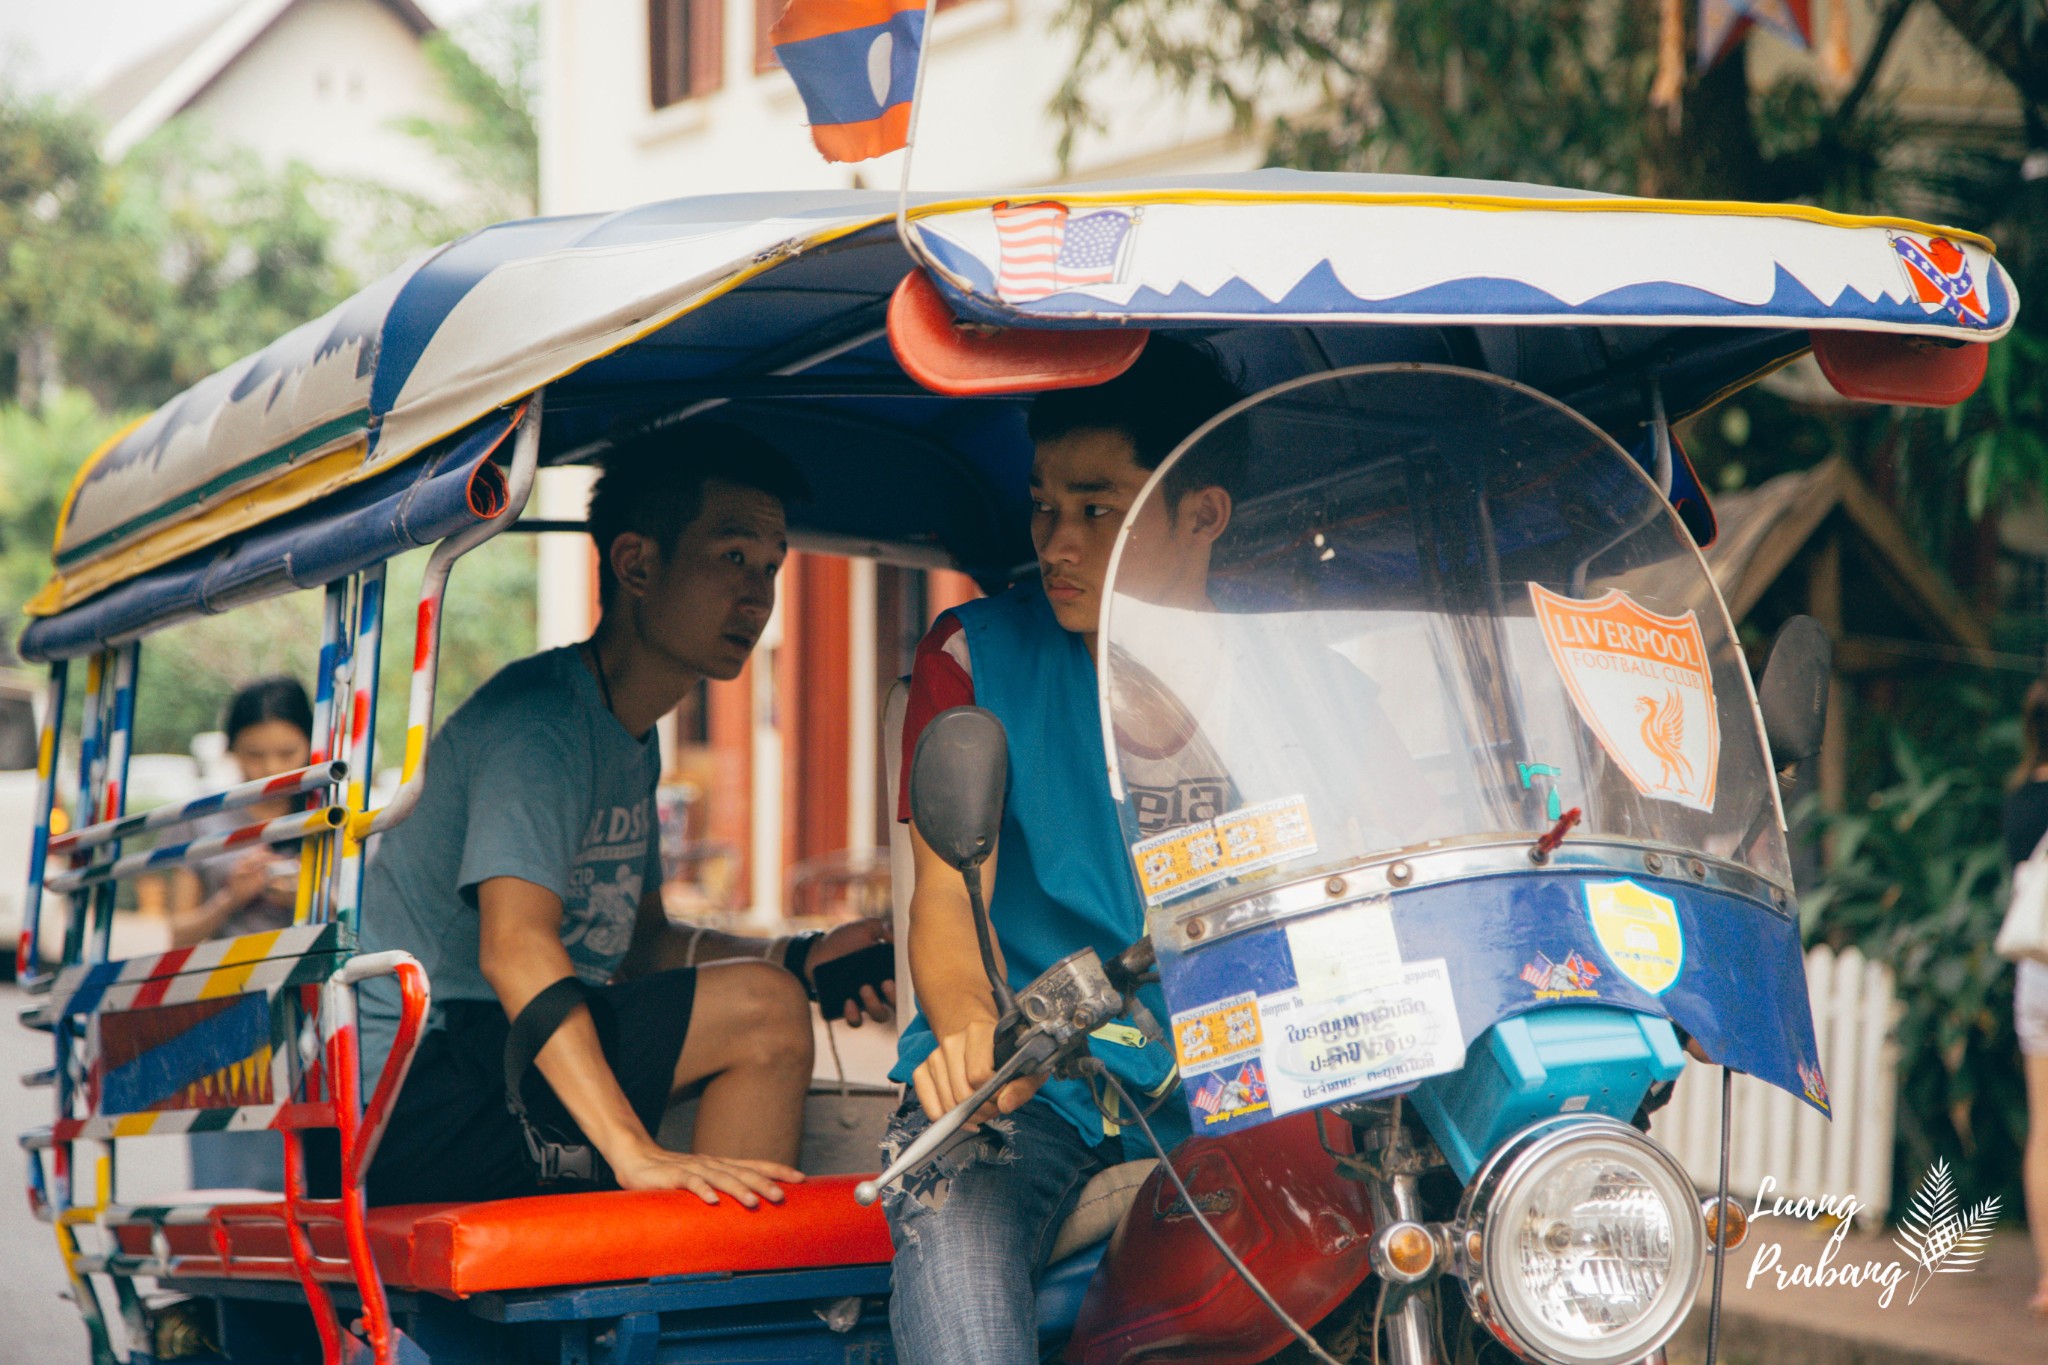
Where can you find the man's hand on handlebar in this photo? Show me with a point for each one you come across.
(961, 1063)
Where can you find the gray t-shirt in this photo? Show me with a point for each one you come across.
(532, 778)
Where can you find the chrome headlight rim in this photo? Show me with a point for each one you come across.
(1510, 1167)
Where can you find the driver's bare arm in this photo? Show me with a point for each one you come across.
(952, 989)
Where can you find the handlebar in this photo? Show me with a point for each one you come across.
(1050, 1023)
(1034, 1053)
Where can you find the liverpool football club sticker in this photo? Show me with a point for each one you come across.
(1641, 683)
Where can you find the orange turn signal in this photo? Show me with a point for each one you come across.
(1727, 1222)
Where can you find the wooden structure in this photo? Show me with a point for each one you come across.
(1821, 542)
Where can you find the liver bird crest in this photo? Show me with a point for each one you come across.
(1663, 733)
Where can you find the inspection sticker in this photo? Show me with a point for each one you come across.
(1391, 1033)
(1217, 1034)
(1337, 952)
(1234, 843)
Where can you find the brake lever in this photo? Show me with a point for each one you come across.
(1052, 1019)
(1034, 1052)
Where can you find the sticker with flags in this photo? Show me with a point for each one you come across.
(1046, 249)
(855, 64)
(1940, 275)
(1723, 23)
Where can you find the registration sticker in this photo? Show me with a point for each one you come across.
(1641, 683)
(1391, 1033)
(1217, 1034)
(1234, 843)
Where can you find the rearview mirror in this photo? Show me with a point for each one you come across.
(957, 780)
(1793, 695)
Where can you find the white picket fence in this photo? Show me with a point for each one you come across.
(1774, 1134)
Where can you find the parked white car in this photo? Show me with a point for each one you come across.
(20, 707)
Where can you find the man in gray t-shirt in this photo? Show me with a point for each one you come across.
(532, 861)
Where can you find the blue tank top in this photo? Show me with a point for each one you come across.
(1063, 876)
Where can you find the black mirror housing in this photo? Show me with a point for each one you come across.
(1793, 694)
(957, 781)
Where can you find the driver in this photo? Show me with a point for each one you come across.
(973, 1229)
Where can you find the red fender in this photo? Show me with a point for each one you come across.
(1276, 1197)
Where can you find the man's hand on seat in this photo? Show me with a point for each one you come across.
(749, 1182)
(851, 938)
(961, 1064)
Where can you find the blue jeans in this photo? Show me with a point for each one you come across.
(973, 1229)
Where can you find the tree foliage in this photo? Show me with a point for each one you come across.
(122, 284)
(1915, 876)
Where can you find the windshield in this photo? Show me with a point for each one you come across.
(1440, 607)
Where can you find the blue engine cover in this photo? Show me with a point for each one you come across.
(1568, 1059)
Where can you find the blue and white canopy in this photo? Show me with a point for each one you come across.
(773, 304)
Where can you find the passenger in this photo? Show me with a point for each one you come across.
(269, 727)
(972, 1232)
(533, 862)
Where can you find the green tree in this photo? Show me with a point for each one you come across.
(490, 69)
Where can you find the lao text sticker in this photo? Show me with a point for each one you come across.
(1209, 851)
(1391, 1033)
(1641, 683)
(1217, 1034)
(1339, 951)
(1639, 931)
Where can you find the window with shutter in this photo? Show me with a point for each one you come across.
(685, 48)
(766, 12)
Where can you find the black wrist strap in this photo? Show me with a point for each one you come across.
(523, 1041)
(798, 955)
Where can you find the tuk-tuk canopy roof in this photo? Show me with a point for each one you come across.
(758, 298)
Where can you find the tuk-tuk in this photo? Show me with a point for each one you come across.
(1501, 836)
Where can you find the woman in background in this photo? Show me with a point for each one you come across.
(269, 728)
(2026, 823)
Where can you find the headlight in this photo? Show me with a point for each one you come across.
(1582, 1242)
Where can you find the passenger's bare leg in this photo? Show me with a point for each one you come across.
(750, 1041)
(2034, 1173)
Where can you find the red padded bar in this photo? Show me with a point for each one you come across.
(457, 1250)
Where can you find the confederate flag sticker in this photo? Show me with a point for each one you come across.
(1641, 683)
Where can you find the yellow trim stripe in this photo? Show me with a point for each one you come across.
(78, 479)
(1493, 203)
(294, 488)
(134, 1125)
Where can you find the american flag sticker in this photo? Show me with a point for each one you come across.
(1045, 248)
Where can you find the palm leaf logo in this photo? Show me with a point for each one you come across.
(1936, 1237)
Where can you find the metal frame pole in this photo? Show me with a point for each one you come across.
(367, 663)
(27, 952)
(426, 655)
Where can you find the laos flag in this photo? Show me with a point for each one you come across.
(855, 64)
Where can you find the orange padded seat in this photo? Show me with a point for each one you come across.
(559, 1239)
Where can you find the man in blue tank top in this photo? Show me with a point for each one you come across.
(973, 1230)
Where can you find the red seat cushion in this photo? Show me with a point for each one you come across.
(557, 1239)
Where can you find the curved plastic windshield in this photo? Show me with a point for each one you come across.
(1426, 605)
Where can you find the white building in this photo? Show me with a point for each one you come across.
(323, 82)
(650, 99)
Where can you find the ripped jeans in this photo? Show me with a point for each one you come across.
(972, 1231)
